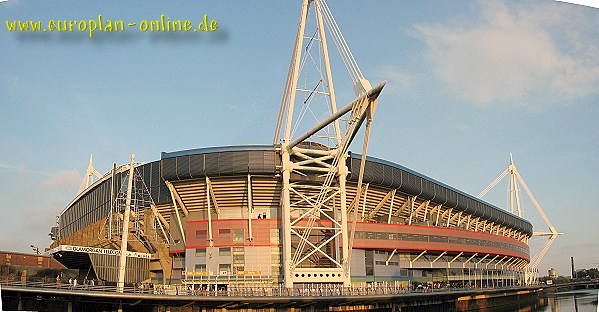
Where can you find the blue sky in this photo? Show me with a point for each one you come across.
(468, 83)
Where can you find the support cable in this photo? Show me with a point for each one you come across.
(350, 63)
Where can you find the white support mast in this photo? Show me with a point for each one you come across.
(125, 233)
(88, 179)
(316, 240)
(515, 204)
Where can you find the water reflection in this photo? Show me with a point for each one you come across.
(584, 300)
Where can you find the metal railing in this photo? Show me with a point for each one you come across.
(245, 291)
(64, 286)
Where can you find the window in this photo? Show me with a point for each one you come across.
(275, 269)
(238, 250)
(224, 252)
(393, 263)
(238, 257)
(274, 236)
(200, 252)
(224, 269)
(201, 234)
(275, 255)
(238, 237)
(200, 268)
(224, 233)
(369, 263)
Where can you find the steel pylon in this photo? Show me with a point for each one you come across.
(314, 210)
(515, 204)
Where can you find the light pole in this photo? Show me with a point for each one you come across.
(35, 249)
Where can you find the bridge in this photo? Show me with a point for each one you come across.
(584, 284)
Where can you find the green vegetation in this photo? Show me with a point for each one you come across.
(590, 273)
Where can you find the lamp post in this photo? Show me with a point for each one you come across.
(35, 249)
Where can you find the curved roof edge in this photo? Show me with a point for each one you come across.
(378, 177)
(392, 164)
(169, 166)
(218, 149)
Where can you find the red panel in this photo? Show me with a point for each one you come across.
(260, 232)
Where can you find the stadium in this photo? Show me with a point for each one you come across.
(299, 212)
(221, 206)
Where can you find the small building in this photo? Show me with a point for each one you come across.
(553, 273)
(11, 258)
(25, 266)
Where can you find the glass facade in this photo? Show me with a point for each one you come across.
(437, 239)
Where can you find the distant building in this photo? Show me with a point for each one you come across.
(10, 258)
(553, 273)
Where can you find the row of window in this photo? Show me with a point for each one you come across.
(238, 253)
(223, 267)
(238, 237)
(238, 257)
(392, 263)
(438, 239)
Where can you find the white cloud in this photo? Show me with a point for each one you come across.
(37, 219)
(40, 218)
(399, 80)
(21, 169)
(66, 178)
(517, 56)
(462, 126)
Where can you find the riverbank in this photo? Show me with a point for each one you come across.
(37, 298)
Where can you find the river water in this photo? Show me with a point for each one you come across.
(584, 300)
